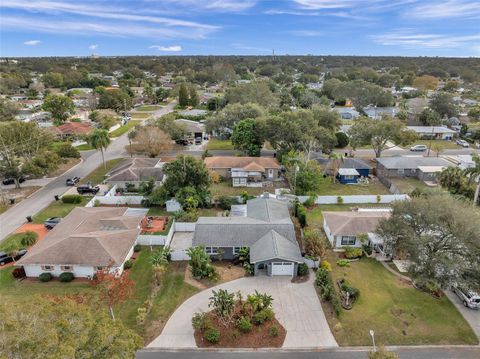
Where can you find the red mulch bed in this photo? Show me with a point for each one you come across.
(231, 337)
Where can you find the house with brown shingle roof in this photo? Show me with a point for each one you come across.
(244, 171)
(71, 129)
(343, 228)
(85, 241)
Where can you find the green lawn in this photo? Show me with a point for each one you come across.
(398, 313)
(225, 188)
(122, 129)
(329, 188)
(216, 144)
(98, 175)
(12, 241)
(139, 115)
(58, 209)
(443, 143)
(407, 185)
(84, 147)
(149, 108)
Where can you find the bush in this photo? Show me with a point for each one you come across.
(339, 200)
(314, 243)
(302, 269)
(66, 277)
(326, 265)
(273, 331)
(337, 307)
(310, 202)
(326, 291)
(212, 335)
(352, 252)
(18, 273)
(199, 321)
(354, 292)
(226, 202)
(343, 263)
(128, 264)
(301, 214)
(66, 150)
(29, 238)
(322, 276)
(342, 140)
(137, 248)
(72, 198)
(263, 316)
(244, 324)
(45, 277)
(186, 216)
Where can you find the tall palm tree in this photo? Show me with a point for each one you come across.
(131, 136)
(336, 159)
(99, 140)
(473, 174)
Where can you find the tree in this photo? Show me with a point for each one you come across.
(442, 102)
(455, 180)
(29, 238)
(253, 92)
(425, 82)
(159, 261)
(223, 303)
(161, 94)
(473, 174)
(8, 110)
(60, 106)
(429, 117)
(193, 100)
(441, 236)
(474, 113)
(99, 139)
(305, 176)
(53, 79)
(114, 289)
(342, 140)
(183, 95)
(366, 131)
(200, 263)
(248, 136)
(115, 99)
(224, 121)
(168, 125)
(362, 93)
(62, 327)
(336, 159)
(151, 141)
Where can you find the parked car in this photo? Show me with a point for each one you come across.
(469, 298)
(88, 188)
(182, 142)
(8, 181)
(418, 148)
(72, 181)
(51, 222)
(5, 258)
(462, 143)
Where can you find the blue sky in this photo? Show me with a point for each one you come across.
(246, 27)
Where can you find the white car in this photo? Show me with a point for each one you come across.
(418, 148)
(462, 143)
(470, 299)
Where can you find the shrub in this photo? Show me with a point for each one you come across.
(45, 277)
(199, 321)
(354, 292)
(29, 238)
(314, 243)
(339, 200)
(326, 265)
(322, 276)
(273, 331)
(352, 252)
(72, 198)
(18, 272)
(66, 277)
(337, 307)
(342, 140)
(137, 248)
(343, 263)
(200, 263)
(226, 202)
(244, 324)
(66, 150)
(301, 215)
(310, 202)
(262, 316)
(128, 264)
(186, 216)
(326, 291)
(212, 335)
(302, 269)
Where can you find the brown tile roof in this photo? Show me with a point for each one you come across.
(353, 223)
(72, 128)
(241, 162)
(97, 236)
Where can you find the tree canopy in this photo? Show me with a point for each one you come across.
(248, 136)
(60, 106)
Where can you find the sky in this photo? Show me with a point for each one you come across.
(240, 27)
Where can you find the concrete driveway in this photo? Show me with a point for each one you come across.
(472, 316)
(296, 307)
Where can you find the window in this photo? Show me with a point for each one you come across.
(211, 250)
(66, 268)
(401, 171)
(348, 177)
(236, 250)
(48, 268)
(239, 181)
(348, 240)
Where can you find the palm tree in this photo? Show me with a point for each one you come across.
(336, 160)
(99, 140)
(131, 136)
(473, 174)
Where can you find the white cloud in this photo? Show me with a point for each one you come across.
(93, 47)
(446, 9)
(409, 39)
(306, 33)
(324, 4)
(32, 42)
(216, 5)
(174, 48)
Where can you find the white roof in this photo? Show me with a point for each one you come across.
(429, 129)
(348, 172)
(431, 169)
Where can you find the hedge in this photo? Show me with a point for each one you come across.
(72, 198)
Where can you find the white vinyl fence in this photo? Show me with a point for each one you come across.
(157, 239)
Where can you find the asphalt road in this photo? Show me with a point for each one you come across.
(16, 216)
(404, 353)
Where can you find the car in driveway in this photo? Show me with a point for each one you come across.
(5, 258)
(72, 181)
(470, 299)
(462, 143)
(8, 181)
(88, 188)
(418, 148)
(51, 222)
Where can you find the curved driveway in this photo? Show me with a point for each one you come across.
(296, 306)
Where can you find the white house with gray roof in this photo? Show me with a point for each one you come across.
(266, 229)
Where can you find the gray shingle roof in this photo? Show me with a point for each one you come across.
(273, 245)
(412, 162)
(136, 170)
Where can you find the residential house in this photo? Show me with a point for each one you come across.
(194, 129)
(343, 228)
(136, 170)
(266, 229)
(423, 168)
(350, 170)
(435, 132)
(245, 171)
(193, 113)
(377, 112)
(85, 241)
(72, 129)
(347, 113)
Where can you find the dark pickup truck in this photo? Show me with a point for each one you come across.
(87, 188)
(5, 258)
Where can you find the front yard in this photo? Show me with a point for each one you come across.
(98, 175)
(216, 144)
(58, 209)
(372, 188)
(444, 144)
(398, 313)
(122, 129)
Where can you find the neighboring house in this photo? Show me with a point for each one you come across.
(347, 113)
(193, 113)
(194, 129)
(436, 132)
(377, 112)
(85, 241)
(462, 161)
(362, 167)
(71, 129)
(348, 175)
(423, 168)
(266, 229)
(245, 171)
(343, 228)
(135, 171)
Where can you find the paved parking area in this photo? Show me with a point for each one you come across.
(296, 306)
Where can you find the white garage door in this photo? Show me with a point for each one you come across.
(282, 268)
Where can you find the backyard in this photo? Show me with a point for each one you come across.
(407, 185)
(372, 188)
(225, 188)
(398, 313)
(216, 144)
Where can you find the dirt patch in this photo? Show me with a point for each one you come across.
(18, 194)
(226, 272)
(231, 337)
(64, 167)
(301, 279)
